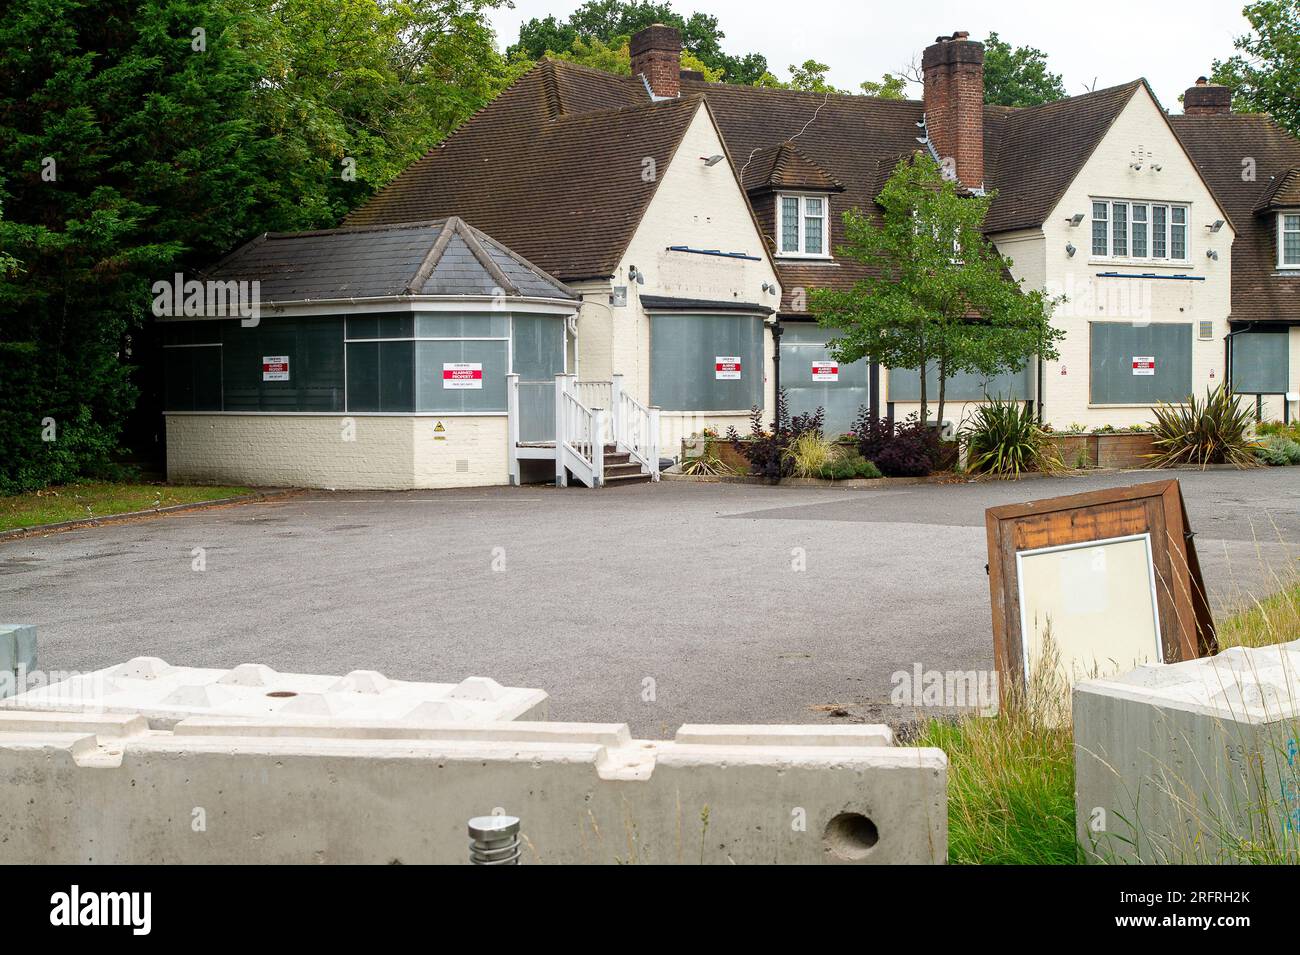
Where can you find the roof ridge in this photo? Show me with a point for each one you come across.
(471, 240)
(432, 257)
(377, 227)
(664, 104)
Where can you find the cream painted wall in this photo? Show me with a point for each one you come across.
(388, 452)
(1040, 260)
(1141, 130)
(702, 207)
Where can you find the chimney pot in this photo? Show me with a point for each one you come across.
(656, 54)
(953, 71)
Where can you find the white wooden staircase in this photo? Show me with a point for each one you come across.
(603, 436)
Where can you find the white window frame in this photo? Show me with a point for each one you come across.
(1282, 232)
(1169, 225)
(826, 225)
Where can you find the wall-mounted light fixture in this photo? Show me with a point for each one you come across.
(1156, 167)
(1075, 219)
(1070, 249)
(1212, 254)
(712, 160)
(1135, 166)
(634, 274)
(1216, 225)
(769, 288)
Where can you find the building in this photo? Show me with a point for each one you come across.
(686, 222)
(1254, 167)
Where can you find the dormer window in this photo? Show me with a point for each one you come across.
(1288, 240)
(1143, 231)
(801, 226)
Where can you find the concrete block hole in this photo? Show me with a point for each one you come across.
(850, 835)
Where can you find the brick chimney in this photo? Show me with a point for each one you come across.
(953, 70)
(657, 58)
(1207, 99)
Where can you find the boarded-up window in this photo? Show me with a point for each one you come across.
(1134, 364)
(684, 357)
(312, 380)
(812, 379)
(1259, 362)
(905, 385)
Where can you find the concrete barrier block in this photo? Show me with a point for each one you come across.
(222, 789)
(17, 646)
(1192, 762)
(166, 694)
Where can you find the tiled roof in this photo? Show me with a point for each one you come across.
(1249, 162)
(1032, 155)
(783, 166)
(446, 257)
(554, 167)
(1282, 193)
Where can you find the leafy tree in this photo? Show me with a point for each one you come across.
(1265, 72)
(932, 270)
(889, 87)
(1019, 76)
(618, 58)
(143, 137)
(612, 21)
(810, 76)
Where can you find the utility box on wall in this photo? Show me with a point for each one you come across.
(1192, 762)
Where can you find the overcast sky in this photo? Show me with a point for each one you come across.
(1103, 41)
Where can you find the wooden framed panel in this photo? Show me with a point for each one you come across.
(1112, 574)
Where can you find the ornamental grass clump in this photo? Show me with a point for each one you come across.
(1216, 430)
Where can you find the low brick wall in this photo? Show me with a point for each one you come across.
(1124, 450)
(1119, 450)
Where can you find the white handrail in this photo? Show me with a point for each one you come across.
(579, 436)
(636, 428)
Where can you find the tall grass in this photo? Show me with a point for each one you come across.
(1011, 776)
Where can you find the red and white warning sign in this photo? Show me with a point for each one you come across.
(462, 374)
(726, 368)
(1144, 365)
(275, 367)
(826, 371)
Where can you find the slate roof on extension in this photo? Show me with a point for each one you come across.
(446, 257)
(1220, 144)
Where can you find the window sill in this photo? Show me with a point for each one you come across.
(805, 259)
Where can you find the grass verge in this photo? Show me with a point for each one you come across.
(1011, 776)
(78, 502)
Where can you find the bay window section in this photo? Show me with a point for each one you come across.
(1145, 231)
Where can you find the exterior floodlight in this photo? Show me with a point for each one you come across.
(1212, 254)
(1075, 219)
(1070, 249)
(712, 160)
(635, 275)
(769, 288)
(1135, 166)
(1216, 225)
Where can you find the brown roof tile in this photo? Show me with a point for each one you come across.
(1228, 148)
(783, 166)
(1032, 155)
(559, 182)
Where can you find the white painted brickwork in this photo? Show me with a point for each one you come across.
(387, 452)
